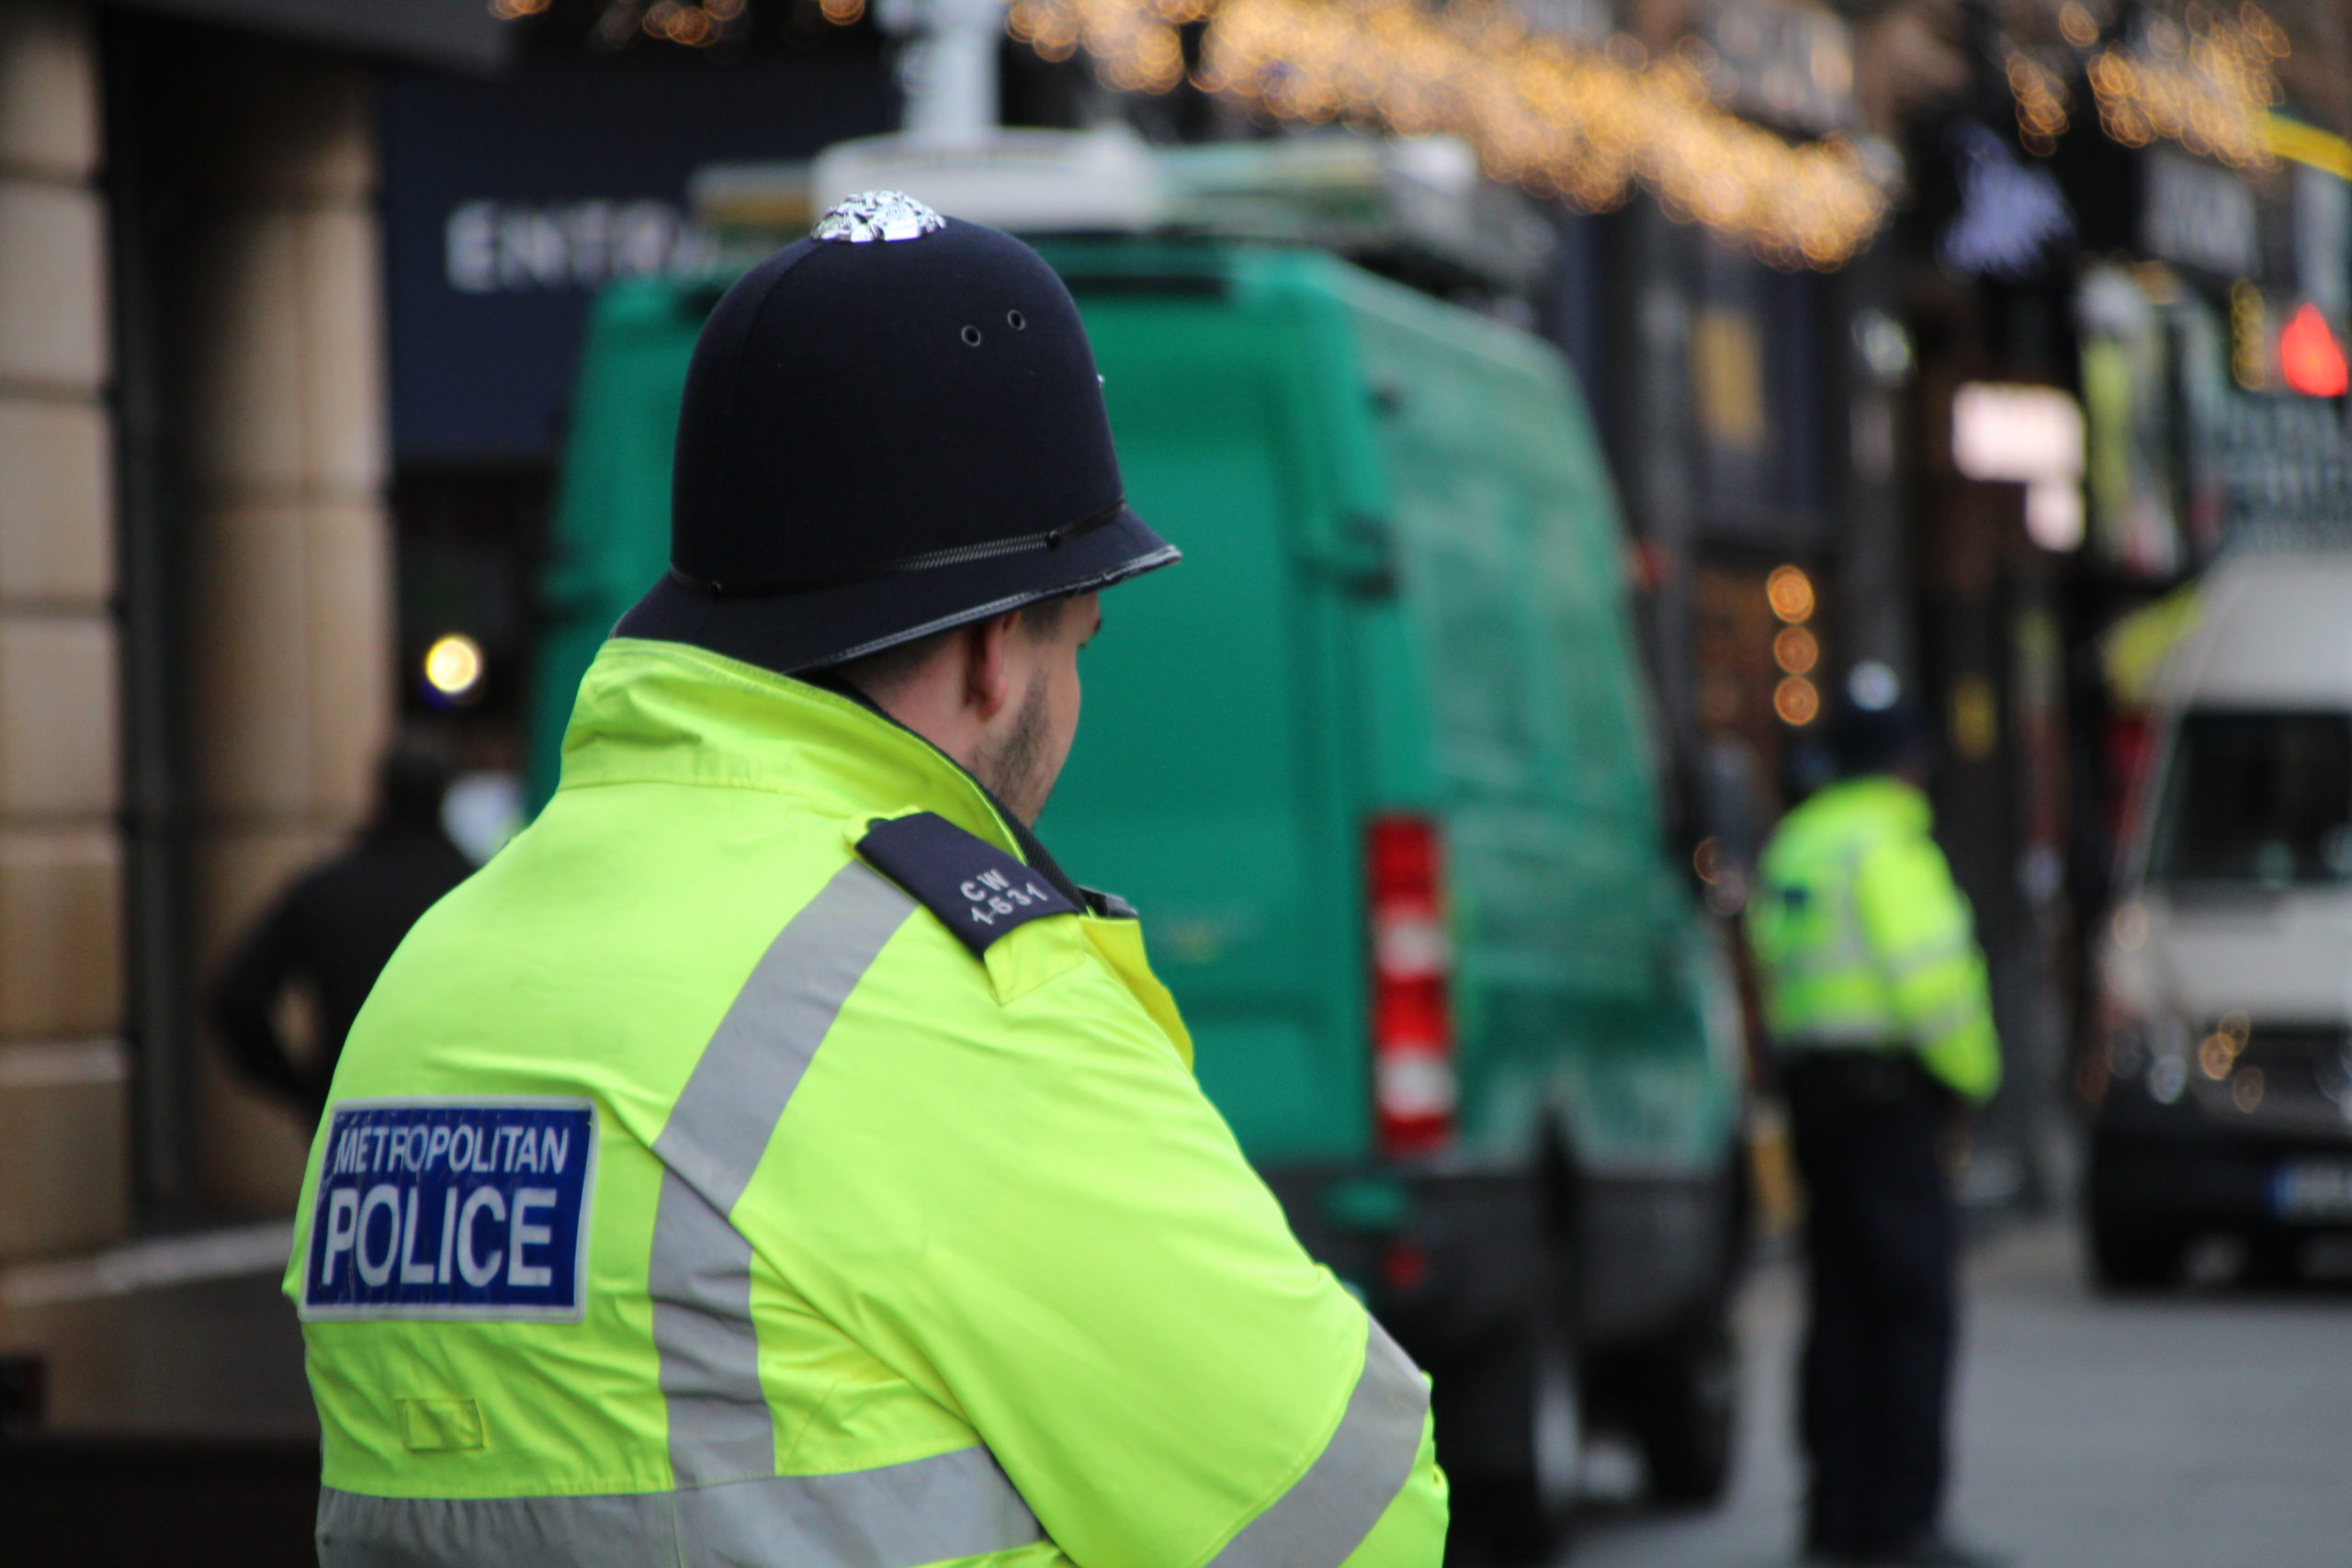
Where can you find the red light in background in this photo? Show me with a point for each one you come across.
(1412, 963)
(1404, 1266)
(2310, 359)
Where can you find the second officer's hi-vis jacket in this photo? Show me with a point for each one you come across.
(1864, 940)
(760, 1162)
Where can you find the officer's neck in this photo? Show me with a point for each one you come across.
(1032, 849)
(930, 708)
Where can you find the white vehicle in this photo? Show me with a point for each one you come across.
(2227, 1103)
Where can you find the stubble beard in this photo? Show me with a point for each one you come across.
(1014, 770)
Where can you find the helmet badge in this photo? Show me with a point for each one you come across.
(872, 214)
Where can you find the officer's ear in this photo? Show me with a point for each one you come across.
(987, 650)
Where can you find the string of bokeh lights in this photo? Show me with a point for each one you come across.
(2207, 82)
(1550, 115)
(1561, 119)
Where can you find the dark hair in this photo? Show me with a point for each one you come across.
(412, 779)
(879, 674)
(1879, 741)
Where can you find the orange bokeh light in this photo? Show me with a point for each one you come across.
(1797, 701)
(1791, 593)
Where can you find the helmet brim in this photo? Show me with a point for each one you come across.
(810, 629)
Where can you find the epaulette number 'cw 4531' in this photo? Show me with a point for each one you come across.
(980, 892)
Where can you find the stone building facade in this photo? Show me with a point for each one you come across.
(64, 1078)
(196, 650)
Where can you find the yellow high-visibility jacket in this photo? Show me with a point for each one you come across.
(759, 1162)
(1862, 941)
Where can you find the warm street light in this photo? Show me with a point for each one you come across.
(1790, 592)
(452, 665)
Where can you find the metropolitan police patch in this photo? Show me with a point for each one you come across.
(473, 1208)
(980, 892)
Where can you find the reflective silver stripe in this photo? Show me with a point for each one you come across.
(1328, 1511)
(1849, 947)
(700, 1273)
(1948, 1020)
(631, 1530)
(1858, 1034)
(1910, 965)
(728, 1112)
(928, 1510)
(1848, 953)
(700, 1280)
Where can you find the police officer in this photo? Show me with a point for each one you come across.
(1874, 994)
(772, 1157)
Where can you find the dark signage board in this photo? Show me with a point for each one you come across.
(2222, 226)
(1755, 369)
(463, 33)
(2272, 465)
(2184, 460)
(2199, 215)
(508, 201)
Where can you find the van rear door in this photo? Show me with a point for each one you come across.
(1505, 548)
(1202, 784)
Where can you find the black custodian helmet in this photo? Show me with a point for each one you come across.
(891, 428)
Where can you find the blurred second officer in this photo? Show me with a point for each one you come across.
(771, 1157)
(1874, 994)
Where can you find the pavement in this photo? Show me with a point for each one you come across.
(169, 1335)
(2206, 1428)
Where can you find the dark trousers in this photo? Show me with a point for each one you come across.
(1881, 1231)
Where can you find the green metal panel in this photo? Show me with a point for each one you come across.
(1201, 779)
(1431, 516)
(1575, 985)
(1401, 590)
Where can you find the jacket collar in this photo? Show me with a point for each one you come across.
(1900, 804)
(671, 713)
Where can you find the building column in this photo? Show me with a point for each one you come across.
(64, 1139)
(288, 606)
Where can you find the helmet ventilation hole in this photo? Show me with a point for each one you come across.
(971, 337)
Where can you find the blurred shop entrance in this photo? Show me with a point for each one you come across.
(1998, 498)
(509, 203)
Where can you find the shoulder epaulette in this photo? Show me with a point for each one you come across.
(1109, 905)
(976, 888)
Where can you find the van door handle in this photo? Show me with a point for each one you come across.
(1367, 571)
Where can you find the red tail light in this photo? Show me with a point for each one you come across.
(1412, 962)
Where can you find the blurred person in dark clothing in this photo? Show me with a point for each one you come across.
(331, 933)
(1874, 993)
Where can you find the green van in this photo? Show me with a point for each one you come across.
(1374, 764)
